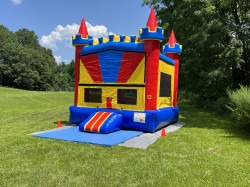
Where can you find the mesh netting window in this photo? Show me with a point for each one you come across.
(127, 96)
(93, 95)
(165, 85)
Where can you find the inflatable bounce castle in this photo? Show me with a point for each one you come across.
(125, 82)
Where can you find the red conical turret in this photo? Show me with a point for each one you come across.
(172, 40)
(152, 23)
(83, 29)
(173, 50)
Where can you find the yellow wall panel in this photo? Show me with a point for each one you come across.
(138, 75)
(84, 76)
(168, 69)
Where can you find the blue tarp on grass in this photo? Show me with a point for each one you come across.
(73, 134)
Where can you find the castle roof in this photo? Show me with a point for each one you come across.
(152, 23)
(172, 40)
(83, 29)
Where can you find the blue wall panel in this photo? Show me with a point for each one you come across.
(110, 62)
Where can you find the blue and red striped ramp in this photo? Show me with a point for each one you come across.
(73, 134)
(102, 122)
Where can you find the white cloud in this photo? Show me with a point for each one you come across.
(58, 59)
(17, 2)
(63, 35)
(97, 31)
(60, 34)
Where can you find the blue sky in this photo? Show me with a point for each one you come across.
(54, 21)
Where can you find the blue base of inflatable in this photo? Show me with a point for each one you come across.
(148, 121)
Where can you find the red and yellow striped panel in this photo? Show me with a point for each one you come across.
(96, 127)
(88, 125)
(95, 123)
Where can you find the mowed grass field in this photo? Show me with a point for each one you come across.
(209, 151)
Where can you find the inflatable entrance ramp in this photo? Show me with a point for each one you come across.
(102, 122)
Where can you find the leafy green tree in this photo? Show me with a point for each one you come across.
(71, 68)
(65, 73)
(215, 35)
(27, 38)
(24, 63)
(6, 36)
(71, 71)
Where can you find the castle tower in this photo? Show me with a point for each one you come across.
(151, 36)
(173, 50)
(79, 41)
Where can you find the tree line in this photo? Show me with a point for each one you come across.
(215, 36)
(25, 64)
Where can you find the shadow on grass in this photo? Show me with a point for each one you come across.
(199, 118)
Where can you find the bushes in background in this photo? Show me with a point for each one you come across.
(240, 104)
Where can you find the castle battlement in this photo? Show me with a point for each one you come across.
(147, 33)
(177, 48)
(78, 40)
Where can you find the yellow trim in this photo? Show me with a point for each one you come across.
(105, 40)
(127, 39)
(153, 30)
(95, 41)
(168, 69)
(138, 75)
(116, 38)
(73, 37)
(137, 39)
(98, 130)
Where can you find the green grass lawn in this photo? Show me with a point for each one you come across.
(209, 151)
